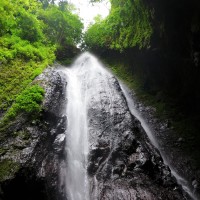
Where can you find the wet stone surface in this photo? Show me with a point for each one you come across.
(122, 163)
(33, 149)
(170, 146)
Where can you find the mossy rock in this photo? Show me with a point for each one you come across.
(2, 151)
(25, 135)
(7, 169)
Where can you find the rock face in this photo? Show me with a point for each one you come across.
(122, 162)
(172, 147)
(33, 148)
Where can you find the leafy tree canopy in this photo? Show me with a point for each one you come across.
(31, 32)
(127, 26)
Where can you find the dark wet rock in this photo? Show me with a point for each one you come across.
(171, 147)
(196, 186)
(59, 143)
(122, 162)
(33, 148)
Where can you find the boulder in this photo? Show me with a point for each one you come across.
(32, 150)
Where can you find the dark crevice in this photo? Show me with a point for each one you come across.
(24, 186)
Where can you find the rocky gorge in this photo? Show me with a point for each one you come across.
(121, 163)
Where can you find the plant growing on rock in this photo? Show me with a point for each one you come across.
(28, 101)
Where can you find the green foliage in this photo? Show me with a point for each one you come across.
(46, 3)
(21, 34)
(96, 36)
(14, 47)
(128, 25)
(7, 169)
(31, 32)
(14, 78)
(30, 27)
(28, 101)
(61, 26)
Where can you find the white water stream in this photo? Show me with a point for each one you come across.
(83, 80)
(77, 138)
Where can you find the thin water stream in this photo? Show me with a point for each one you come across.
(153, 140)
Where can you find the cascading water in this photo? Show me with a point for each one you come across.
(96, 110)
(81, 77)
(77, 141)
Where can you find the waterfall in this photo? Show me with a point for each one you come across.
(81, 80)
(97, 117)
(76, 136)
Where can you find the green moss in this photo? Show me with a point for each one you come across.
(28, 101)
(14, 78)
(7, 169)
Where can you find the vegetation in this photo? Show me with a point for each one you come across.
(61, 27)
(27, 101)
(32, 34)
(157, 41)
(7, 169)
(128, 25)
